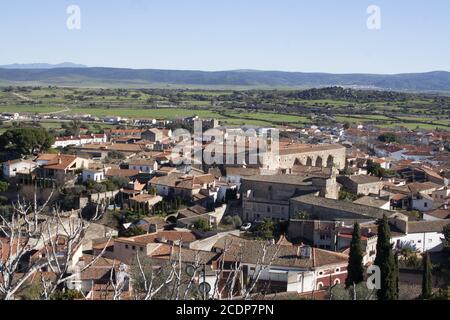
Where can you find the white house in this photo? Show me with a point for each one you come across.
(62, 142)
(423, 202)
(419, 235)
(430, 197)
(96, 175)
(388, 150)
(376, 202)
(10, 115)
(440, 213)
(11, 168)
(145, 166)
(441, 195)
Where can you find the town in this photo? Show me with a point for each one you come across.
(122, 214)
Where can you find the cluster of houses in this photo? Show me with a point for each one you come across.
(302, 185)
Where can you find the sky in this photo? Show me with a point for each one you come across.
(289, 35)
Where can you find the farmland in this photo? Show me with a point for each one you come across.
(251, 107)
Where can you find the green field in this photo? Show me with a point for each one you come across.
(230, 106)
(29, 109)
(162, 113)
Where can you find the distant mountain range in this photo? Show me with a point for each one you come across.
(68, 74)
(42, 65)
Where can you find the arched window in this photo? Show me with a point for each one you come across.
(319, 162)
(309, 162)
(330, 161)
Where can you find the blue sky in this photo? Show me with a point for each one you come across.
(291, 35)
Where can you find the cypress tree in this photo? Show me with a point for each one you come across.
(355, 268)
(397, 278)
(426, 277)
(385, 261)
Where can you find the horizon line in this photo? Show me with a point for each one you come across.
(84, 66)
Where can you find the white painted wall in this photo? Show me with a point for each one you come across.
(423, 204)
(144, 168)
(97, 176)
(422, 242)
(10, 169)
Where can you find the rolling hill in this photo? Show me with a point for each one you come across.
(438, 81)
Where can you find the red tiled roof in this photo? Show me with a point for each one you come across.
(184, 236)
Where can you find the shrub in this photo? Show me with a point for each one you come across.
(237, 222)
(66, 295)
(4, 186)
(228, 220)
(202, 225)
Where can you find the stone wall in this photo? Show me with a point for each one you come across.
(266, 199)
(323, 213)
(98, 198)
(318, 158)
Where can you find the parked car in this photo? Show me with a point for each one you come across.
(246, 226)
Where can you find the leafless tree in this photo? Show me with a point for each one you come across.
(151, 279)
(119, 281)
(233, 283)
(30, 230)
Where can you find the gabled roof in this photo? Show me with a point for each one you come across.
(440, 213)
(19, 161)
(101, 269)
(362, 179)
(180, 180)
(57, 161)
(143, 162)
(371, 201)
(121, 173)
(350, 207)
(427, 226)
(166, 252)
(416, 187)
(184, 236)
(192, 211)
(283, 255)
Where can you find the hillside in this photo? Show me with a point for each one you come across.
(438, 81)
